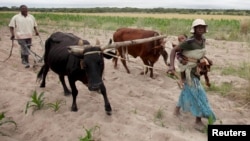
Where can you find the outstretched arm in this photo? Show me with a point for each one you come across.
(172, 58)
(36, 31)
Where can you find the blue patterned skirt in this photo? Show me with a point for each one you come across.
(193, 99)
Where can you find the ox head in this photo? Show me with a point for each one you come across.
(92, 62)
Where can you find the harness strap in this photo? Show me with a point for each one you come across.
(92, 52)
(88, 53)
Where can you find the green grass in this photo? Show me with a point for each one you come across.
(243, 70)
(89, 134)
(223, 88)
(57, 105)
(4, 120)
(209, 122)
(134, 111)
(242, 94)
(37, 102)
(228, 29)
(159, 115)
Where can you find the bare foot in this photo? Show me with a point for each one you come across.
(177, 111)
(199, 125)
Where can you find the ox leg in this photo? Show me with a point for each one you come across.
(65, 88)
(115, 62)
(124, 63)
(115, 59)
(145, 71)
(207, 80)
(107, 106)
(74, 94)
(150, 68)
(151, 72)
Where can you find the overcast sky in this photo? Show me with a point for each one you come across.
(193, 4)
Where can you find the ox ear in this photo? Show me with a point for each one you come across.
(110, 41)
(76, 50)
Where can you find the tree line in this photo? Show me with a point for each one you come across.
(136, 10)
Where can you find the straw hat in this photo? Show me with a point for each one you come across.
(197, 22)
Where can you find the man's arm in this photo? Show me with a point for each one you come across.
(172, 58)
(36, 31)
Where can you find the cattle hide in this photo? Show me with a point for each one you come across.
(149, 52)
(86, 66)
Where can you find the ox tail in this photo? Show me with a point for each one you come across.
(47, 49)
(40, 74)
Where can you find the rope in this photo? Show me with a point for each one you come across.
(174, 76)
(41, 42)
(144, 66)
(35, 56)
(12, 45)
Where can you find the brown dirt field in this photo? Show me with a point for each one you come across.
(135, 99)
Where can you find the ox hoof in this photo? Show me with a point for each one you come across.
(108, 110)
(42, 86)
(109, 113)
(74, 109)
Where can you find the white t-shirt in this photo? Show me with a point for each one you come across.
(23, 26)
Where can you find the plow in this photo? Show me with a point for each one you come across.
(37, 58)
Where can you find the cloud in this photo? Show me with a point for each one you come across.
(202, 4)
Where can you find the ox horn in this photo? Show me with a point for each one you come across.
(133, 42)
(76, 49)
(97, 42)
(80, 42)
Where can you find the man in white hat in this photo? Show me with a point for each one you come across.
(193, 96)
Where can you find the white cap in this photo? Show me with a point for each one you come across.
(197, 22)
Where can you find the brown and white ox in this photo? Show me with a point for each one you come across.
(149, 52)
